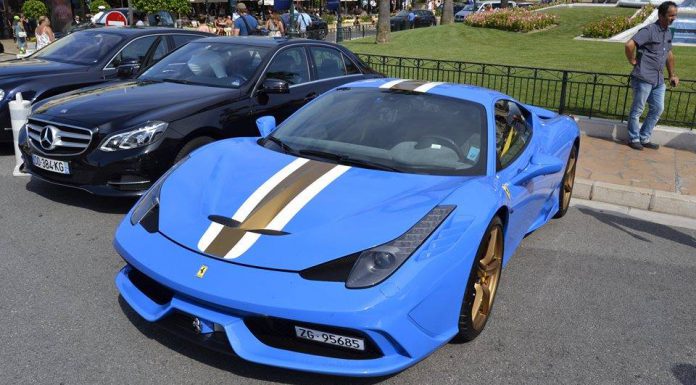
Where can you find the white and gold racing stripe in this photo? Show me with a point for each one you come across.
(251, 202)
(270, 207)
(410, 85)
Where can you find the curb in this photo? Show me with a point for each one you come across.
(673, 137)
(636, 197)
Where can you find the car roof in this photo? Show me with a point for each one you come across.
(263, 41)
(476, 94)
(135, 31)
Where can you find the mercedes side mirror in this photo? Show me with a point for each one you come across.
(127, 70)
(266, 125)
(276, 86)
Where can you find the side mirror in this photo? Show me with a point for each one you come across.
(127, 70)
(275, 86)
(266, 125)
(540, 165)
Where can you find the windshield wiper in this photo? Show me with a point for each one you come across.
(343, 159)
(282, 145)
(180, 81)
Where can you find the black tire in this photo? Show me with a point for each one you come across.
(192, 145)
(469, 326)
(565, 193)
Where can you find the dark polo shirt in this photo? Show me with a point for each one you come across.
(654, 44)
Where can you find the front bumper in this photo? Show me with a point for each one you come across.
(404, 326)
(127, 173)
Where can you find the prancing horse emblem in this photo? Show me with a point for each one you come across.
(507, 190)
(201, 271)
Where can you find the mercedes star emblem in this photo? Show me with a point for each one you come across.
(49, 135)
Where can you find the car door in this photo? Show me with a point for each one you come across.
(290, 64)
(514, 146)
(136, 52)
(331, 68)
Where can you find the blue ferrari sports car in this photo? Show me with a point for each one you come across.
(364, 232)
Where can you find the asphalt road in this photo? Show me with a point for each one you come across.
(594, 298)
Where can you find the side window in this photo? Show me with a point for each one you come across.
(290, 65)
(160, 51)
(351, 68)
(328, 61)
(180, 40)
(134, 52)
(512, 131)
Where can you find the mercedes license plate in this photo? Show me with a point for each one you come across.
(50, 164)
(330, 338)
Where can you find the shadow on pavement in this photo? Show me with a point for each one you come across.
(233, 363)
(6, 149)
(685, 373)
(626, 224)
(79, 198)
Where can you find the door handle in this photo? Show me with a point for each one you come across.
(310, 96)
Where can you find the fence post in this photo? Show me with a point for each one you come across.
(564, 86)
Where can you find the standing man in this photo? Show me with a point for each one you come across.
(654, 44)
(245, 24)
(411, 19)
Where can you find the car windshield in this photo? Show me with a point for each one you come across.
(402, 14)
(468, 7)
(209, 64)
(82, 47)
(391, 130)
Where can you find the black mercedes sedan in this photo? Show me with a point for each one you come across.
(82, 59)
(117, 139)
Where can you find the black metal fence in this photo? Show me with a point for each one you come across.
(575, 92)
(352, 32)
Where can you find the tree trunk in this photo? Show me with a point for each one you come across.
(383, 26)
(447, 13)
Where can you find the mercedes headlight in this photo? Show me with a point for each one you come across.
(150, 200)
(141, 136)
(372, 266)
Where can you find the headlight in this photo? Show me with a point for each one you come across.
(372, 266)
(141, 136)
(2, 95)
(150, 200)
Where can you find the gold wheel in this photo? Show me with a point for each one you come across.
(569, 178)
(487, 272)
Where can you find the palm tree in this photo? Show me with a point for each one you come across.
(447, 13)
(383, 25)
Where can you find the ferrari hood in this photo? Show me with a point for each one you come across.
(239, 201)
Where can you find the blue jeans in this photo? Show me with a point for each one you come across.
(655, 97)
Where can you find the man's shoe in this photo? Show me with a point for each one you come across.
(651, 145)
(635, 145)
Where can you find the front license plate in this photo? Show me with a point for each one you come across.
(50, 164)
(330, 338)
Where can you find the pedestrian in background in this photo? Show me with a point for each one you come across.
(274, 25)
(44, 33)
(654, 49)
(246, 24)
(20, 34)
(411, 19)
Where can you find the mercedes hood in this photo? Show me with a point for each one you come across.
(240, 201)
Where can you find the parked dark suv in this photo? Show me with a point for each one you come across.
(117, 139)
(424, 18)
(84, 58)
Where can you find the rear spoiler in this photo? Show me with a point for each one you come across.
(542, 112)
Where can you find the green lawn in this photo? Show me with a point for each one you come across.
(552, 48)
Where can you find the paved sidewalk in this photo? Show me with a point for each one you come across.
(665, 169)
(662, 180)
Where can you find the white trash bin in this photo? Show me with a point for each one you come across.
(19, 112)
